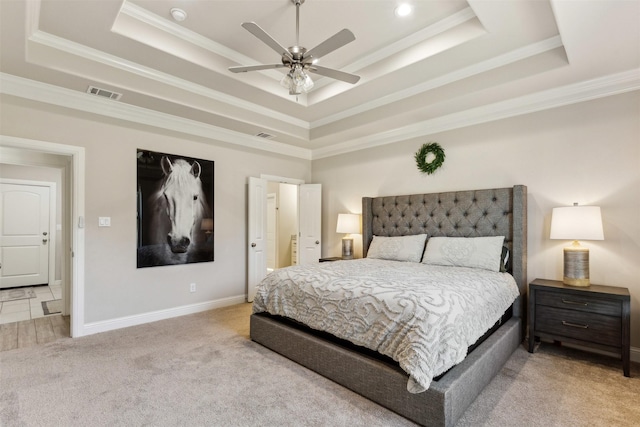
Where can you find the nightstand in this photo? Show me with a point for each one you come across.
(596, 316)
(333, 258)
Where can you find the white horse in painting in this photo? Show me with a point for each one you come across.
(181, 201)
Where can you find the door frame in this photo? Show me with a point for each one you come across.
(286, 180)
(51, 253)
(253, 239)
(75, 179)
(275, 248)
(282, 179)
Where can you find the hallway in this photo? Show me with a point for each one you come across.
(27, 333)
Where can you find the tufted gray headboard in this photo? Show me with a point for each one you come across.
(493, 212)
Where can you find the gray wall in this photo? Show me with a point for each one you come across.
(114, 287)
(587, 153)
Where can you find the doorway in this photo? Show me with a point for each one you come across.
(303, 243)
(70, 161)
(282, 225)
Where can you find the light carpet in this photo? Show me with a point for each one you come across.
(202, 369)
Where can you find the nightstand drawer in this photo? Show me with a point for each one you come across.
(596, 316)
(591, 327)
(587, 303)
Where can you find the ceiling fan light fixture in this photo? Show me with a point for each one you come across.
(302, 79)
(298, 59)
(297, 81)
(287, 81)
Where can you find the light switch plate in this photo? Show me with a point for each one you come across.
(104, 221)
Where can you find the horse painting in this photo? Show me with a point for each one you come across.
(181, 198)
(176, 213)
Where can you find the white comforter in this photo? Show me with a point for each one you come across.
(422, 316)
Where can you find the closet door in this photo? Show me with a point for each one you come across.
(310, 223)
(256, 235)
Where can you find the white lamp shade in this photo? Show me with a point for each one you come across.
(348, 223)
(576, 223)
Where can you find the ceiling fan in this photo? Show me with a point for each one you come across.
(298, 59)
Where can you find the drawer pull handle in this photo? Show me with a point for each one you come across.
(574, 325)
(566, 301)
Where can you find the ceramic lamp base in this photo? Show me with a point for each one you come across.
(576, 266)
(347, 248)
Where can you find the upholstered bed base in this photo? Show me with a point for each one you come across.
(500, 211)
(386, 384)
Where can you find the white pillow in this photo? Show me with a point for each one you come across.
(474, 252)
(397, 248)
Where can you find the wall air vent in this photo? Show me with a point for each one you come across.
(104, 93)
(265, 135)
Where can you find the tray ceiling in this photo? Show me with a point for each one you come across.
(451, 63)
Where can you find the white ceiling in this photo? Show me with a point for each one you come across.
(452, 63)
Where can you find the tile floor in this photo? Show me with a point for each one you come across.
(26, 309)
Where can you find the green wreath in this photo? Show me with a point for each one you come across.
(422, 154)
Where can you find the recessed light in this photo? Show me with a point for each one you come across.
(403, 9)
(178, 14)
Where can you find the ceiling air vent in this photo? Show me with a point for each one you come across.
(265, 135)
(104, 93)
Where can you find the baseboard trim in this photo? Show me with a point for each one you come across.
(154, 316)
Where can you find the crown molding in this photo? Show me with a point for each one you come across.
(420, 36)
(80, 101)
(81, 51)
(614, 84)
(463, 73)
(587, 90)
(144, 16)
(95, 55)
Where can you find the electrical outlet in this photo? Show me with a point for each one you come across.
(192, 287)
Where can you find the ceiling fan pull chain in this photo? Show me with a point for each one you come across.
(298, 22)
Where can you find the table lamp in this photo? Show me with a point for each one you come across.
(349, 224)
(576, 223)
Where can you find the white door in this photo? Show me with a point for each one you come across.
(309, 218)
(24, 235)
(309, 229)
(256, 235)
(272, 232)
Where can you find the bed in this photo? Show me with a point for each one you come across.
(475, 213)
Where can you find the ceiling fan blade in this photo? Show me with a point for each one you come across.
(244, 69)
(334, 74)
(255, 29)
(334, 42)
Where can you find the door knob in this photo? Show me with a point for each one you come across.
(44, 241)
(253, 245)
(44, 233)
(317, 242)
